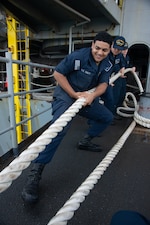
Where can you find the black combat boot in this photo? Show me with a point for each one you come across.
(30, 191)
(86, 144)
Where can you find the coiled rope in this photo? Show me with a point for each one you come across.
(16, 167)
(128, 111)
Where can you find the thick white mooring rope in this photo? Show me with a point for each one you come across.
(141, 120)
(68, 209)
(16, 167)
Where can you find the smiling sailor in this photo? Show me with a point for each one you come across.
(77, 73)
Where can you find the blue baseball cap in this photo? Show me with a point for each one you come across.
(119, 42)
(126, 46)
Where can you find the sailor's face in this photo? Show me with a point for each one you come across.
(124, 52)
(100, 50)
(115, 51)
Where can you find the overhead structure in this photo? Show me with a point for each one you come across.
(48, 15)
(50, 22)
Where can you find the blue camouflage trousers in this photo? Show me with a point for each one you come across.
(100, 117)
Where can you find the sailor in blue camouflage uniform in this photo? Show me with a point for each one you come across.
(119, 66)
(128, 63)
(126, 56)
(112, 96)
(129, 75)
(77, 73)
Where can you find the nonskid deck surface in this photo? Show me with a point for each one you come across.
(124, 185)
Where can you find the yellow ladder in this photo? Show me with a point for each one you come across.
(18, 44)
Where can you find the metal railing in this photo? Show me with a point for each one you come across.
(11, 94)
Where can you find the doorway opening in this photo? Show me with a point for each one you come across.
(139, 56)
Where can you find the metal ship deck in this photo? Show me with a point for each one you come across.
(124, 185)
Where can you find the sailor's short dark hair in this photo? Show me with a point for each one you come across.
(103, 36)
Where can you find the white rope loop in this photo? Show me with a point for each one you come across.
(127, 111)
(116, 76)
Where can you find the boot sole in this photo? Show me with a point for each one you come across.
(89, 149)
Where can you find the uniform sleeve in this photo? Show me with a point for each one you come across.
(129, 63)
(105, 76)
(106, 73)
(66, 66)
(122, 61)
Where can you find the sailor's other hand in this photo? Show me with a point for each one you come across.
(122, 71)
(133, 68)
